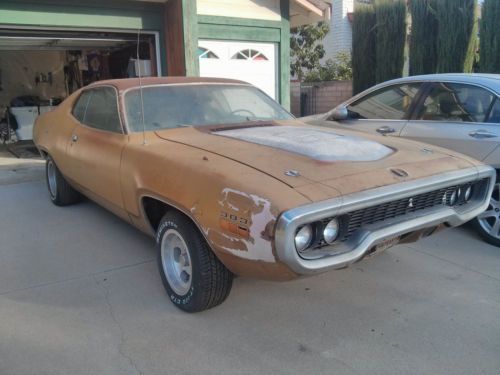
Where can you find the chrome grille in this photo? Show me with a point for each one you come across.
(401, 207)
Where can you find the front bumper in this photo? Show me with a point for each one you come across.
(371, 235)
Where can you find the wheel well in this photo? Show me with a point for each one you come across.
(44, 154)
(155, 209)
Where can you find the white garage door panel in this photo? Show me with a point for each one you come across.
(255, 70)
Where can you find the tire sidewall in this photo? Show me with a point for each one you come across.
(189, 300)
(53, 197)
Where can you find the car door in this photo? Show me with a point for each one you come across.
(456, 116)
(96, 147)
(384, 111)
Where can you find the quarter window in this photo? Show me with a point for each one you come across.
(102, 110)
(390, 103)
(456, 102)
(81, 106)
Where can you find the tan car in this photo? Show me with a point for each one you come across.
(229, 183)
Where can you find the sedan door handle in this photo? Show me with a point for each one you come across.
(482, 134)
(385, 130)
(74, 138)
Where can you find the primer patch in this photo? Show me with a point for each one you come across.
(322, 145)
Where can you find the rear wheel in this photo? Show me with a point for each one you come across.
(61, 193)
(193, 277)
(487, 224)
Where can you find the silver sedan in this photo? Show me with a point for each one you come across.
(460, 112)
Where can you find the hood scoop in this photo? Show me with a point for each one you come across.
(321, 145)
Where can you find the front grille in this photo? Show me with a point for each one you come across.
(401, 207)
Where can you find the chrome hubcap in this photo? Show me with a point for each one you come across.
(490, 219)
(176, 262)
(51, 178)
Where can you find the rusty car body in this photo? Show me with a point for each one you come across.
(246, 190)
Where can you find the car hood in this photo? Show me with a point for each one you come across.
(333, 161)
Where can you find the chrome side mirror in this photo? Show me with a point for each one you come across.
(339, 113)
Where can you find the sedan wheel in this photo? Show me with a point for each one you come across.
(488, 223)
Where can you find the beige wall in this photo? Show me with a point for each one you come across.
(256, 9)
(19, 68)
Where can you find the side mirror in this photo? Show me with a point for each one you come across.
(339, 113)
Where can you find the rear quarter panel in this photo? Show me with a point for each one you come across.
(52, 132)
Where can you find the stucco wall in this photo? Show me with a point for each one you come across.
(254, 9)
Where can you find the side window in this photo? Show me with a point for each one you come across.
(388, 103)
(102, 110)
(81, 106)
(495, 113)
(456, 102)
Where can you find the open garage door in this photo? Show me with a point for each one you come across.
(39, 68)
(255, 63)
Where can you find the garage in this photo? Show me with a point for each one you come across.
(255, 63)
(39, 68)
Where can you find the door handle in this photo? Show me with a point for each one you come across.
(481, 133)
(74, 138)
(385, 130)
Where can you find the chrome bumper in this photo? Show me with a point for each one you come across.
(291, 220)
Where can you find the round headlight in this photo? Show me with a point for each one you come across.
(331, 231)
(468, 193)
(454, 197)
(303, 238)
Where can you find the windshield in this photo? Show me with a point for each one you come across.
(172, 106)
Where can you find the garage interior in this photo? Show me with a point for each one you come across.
(39, 69)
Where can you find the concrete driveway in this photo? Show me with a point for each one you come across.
(80, 294)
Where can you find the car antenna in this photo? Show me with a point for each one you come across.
(138, 62)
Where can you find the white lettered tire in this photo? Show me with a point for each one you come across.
(195, 280)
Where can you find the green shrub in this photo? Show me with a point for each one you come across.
(390, 38)
(423, 38)
(457, 35)
(363, 48)
(339, 69)
(489, 53)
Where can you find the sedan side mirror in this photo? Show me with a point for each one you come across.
(339, 113)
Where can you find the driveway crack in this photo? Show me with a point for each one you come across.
(123, 339)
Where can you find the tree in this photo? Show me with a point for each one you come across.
(489, 52)
(457, 35)
(423, 38)
(390, 39)
(363, 48)
(306, 48)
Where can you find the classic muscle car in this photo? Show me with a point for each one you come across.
(229, 183)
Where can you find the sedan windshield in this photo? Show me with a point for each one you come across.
(172, 106)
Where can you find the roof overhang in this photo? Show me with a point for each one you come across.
(302, 12)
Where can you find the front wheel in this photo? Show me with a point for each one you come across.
(195, 280)
(487, 224)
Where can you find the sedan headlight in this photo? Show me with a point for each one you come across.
(303, 238)
(331, 231)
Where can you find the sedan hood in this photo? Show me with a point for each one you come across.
(300, 155)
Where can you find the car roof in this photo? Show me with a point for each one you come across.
(128, 83)
(491, 81)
